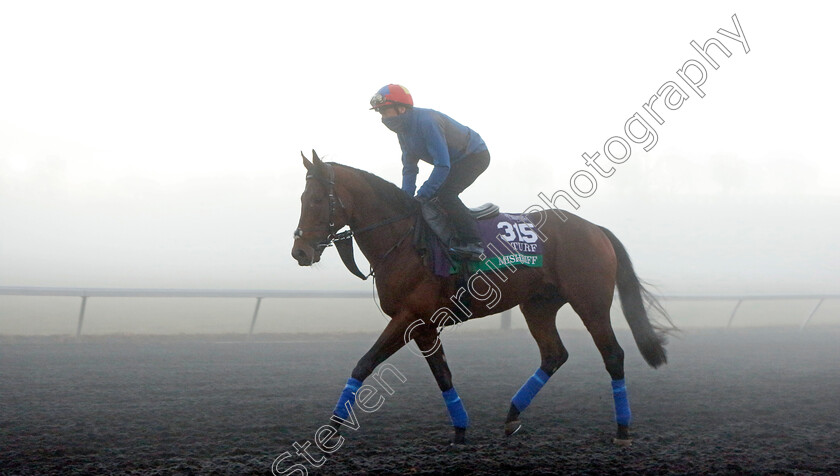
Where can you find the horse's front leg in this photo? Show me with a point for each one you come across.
(427, 340)
(390, 341)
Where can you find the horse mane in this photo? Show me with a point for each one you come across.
(386, 191)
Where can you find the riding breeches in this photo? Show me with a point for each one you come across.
(461, 175)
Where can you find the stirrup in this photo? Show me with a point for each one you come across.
(469, 251)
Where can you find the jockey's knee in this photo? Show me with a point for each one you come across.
(447, 200)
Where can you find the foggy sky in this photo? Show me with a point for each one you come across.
(157, 144)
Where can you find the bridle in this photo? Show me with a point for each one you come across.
(333, 200)
(343, 241)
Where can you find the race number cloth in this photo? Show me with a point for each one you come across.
(509, 240)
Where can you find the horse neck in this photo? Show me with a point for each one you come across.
(367, 211)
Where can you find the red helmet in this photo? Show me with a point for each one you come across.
(391, 95)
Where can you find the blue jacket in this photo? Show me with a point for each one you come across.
(435, 138)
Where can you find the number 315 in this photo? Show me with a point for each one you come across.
(522, 231)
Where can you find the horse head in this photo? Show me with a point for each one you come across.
(322, 212)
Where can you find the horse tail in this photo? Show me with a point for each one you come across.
(650, 336)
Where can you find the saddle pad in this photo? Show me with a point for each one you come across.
(509, 240)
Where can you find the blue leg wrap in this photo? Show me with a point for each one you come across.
(622, 406)
(347, 395)
(457, 412)
(528, 391)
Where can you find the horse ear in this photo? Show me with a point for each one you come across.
(306, 162)
(315, 158)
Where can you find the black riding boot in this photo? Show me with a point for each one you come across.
(438, 221)
(458, 235)
(468, 243)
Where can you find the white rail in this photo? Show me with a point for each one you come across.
(820, 298)
(260, 294)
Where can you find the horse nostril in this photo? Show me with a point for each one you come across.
(299, 254)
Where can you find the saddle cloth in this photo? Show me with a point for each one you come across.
(509, 240)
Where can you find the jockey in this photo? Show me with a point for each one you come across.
(458, 154)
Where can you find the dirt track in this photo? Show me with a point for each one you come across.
(729, 402)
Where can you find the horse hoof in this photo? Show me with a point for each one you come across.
(512, 427)
(623, 442)
(460, 437)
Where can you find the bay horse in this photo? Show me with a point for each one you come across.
(582, 265)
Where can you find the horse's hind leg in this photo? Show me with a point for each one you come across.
(540, 314)
(598, 325)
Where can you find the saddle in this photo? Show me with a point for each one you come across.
(436, 218)
(488, 210)
(435, 233)
(510, 240)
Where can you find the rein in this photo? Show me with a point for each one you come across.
(343, 241)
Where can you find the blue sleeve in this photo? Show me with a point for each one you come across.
(409, 175)
(439, 153)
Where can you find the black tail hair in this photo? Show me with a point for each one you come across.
(650, 335)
